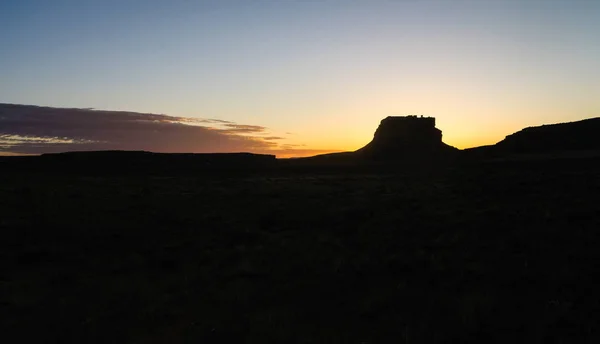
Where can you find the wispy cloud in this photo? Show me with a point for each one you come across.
(219, 121)
(34, 130)
(234, 128)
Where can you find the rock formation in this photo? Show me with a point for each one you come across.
(406, 137)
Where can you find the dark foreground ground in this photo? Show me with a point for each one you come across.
(487, 253)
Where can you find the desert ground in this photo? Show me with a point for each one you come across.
(490, 252)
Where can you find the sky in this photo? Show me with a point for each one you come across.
(314, 75)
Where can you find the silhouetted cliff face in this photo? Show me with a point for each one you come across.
(409, 136)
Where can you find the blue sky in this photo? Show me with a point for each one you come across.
(325, 71)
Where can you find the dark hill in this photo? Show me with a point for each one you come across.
(561, 138)
(580, 135)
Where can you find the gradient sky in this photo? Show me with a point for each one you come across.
(322, 73)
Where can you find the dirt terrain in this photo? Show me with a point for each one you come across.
(494, 252)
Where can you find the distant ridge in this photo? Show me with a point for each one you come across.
(140, 157)
(128, 153)
(584, 134)
(577, 136)
(138, 162)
